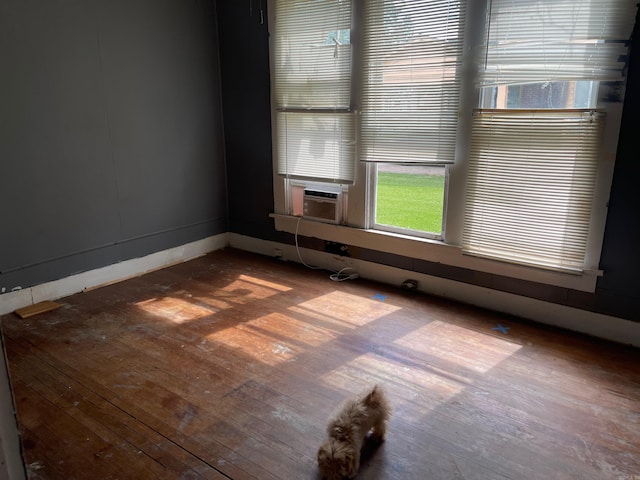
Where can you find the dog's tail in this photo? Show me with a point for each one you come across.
(377, 399)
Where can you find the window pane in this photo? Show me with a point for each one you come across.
(410, 197)
(542, 95)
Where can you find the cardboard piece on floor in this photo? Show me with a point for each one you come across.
(37, 308)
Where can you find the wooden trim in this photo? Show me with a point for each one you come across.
(40, 307)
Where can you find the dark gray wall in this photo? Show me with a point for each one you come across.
(244, 59)
(619, 288)
(245, 70)
(110, 133)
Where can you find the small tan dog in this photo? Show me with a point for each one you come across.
(339, 455)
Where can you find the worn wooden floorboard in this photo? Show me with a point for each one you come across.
(228, 366)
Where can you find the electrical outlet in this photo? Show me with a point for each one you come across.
(337, 248)
(277, 252)
(410, 284)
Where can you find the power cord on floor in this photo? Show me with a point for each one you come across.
(339, 276)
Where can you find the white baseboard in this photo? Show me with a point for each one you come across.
(583, 321)
(110, 274)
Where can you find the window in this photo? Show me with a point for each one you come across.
(411, 58)
(535, 141)
(314, 119)
(485, 124)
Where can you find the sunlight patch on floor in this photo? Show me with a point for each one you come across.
(370, 368)
(277, 337)
(472, 350)
(259, 282)
(174, 309)
(288, 329)
(259, 343)
(243, 290)
(339, 309)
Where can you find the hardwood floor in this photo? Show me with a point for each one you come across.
(229, 365)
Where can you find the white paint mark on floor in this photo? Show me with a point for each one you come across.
(281, 348)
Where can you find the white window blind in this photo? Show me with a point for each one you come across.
(531, 41)
(316, 145)
(532, 173)
(411, 84)
(530, 186)
(315, 124)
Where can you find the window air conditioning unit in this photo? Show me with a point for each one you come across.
(322, 205)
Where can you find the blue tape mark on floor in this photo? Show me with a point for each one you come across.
(379, 296)
(500, 328)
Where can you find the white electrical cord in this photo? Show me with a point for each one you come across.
(339, 276)
(298, 248)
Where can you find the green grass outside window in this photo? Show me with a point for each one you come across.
(412, 201)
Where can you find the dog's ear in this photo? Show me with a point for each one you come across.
(373, 397)
(377, 399)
